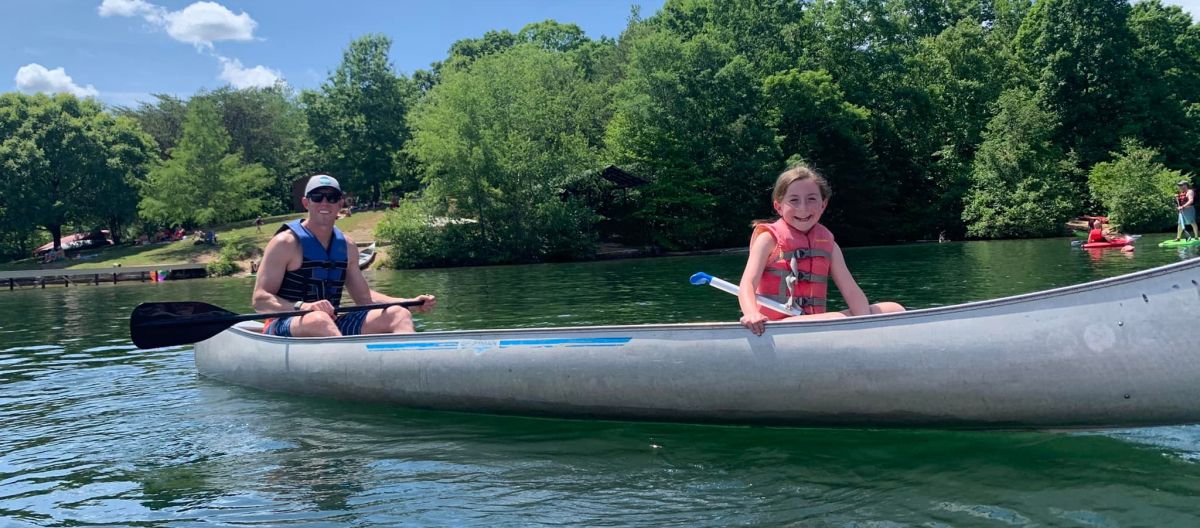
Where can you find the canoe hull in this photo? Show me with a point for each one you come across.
(1117, 352)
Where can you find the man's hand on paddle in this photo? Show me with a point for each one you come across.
(430, 302)
(320, 306)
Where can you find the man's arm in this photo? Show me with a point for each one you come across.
(361, 292)
(279, 254)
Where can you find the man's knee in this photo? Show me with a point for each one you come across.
(315, 324)
(396, 319)
(399, 317)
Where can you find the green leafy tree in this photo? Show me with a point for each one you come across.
(1019, 186)
(268, 127)
(1166, 101)
(815, 123)
(769, 33)
(66, 162)
(1136, 190)
(357, 120)
(689, 115)
(464, 52)
(202, 183)
(953, 80)
(1078, 51)
(498, 142)
(163, 120)
(553, 36)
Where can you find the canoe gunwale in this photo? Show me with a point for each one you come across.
(891, 319)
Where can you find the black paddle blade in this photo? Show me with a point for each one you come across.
(159, 324)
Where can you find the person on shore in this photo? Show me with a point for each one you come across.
(258, 222)
(308, 263)
(792, 258)
(1185, 202)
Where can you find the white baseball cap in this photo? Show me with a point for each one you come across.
(321, 180)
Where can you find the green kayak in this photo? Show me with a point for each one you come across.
(1180, 243)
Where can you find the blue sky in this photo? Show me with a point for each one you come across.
(123, 50)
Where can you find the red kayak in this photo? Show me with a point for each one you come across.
(1114, 243)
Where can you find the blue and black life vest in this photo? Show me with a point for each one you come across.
(322, 273)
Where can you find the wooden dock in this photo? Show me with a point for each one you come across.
(95, 276)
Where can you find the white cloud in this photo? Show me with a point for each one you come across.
(129, 8)
(199, 24)
(202, 23)
(259, 76)
(34, 77)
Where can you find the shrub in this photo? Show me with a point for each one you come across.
(239, 248)
(413, 240)
(1019, 183)
(1136, 191)
(222, 267)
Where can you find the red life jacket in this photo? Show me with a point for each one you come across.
(1182, 197)
(797, 270)
(1097, 235)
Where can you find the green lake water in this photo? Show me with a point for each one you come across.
(94, 432)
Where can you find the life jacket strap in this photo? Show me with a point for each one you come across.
(805, 253)
(800, 302)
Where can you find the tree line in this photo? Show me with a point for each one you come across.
(969, 118)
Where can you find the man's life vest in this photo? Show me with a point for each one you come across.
(1182, 197)
(322, 273)
(797, 270)
(1096, 235)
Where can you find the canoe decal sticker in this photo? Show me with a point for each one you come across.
(479, 346)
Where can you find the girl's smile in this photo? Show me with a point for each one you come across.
(802, 205)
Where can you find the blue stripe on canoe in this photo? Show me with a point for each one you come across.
(436, 345)
(564, 341)
(506, 343)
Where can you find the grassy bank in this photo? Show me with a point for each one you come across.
(360, 227)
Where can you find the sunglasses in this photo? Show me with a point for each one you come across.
(318, 197)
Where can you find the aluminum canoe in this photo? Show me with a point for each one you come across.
(1111, 353)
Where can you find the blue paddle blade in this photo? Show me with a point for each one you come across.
(700, 279)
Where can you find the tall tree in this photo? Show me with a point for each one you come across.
(953, 79)
(163, 120)
(552, 35)
(816, 124)
(67, 162)
(1166, 99)
(268, 127)
(689, 114)
(357, 121)
(1019, 183)
(202, 183)
(498, 142)
(1079, 53)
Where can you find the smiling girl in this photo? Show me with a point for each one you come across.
(792, 258)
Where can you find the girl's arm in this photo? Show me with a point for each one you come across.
(854, 296)
(760, 249)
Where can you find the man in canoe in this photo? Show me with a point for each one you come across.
(307, 264)
(1186, 205)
